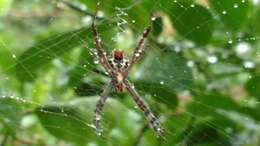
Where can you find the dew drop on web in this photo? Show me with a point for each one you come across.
(96, 62)
(13, 55)
(162, 82)
(235, 5)
(224, 12)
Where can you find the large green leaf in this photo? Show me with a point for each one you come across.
(191, 21)
(207, 134)
(160, 93)
(165, 67)
(161, 74)
(43, 52)
(253, 86)
(85, 64)
(72, 122)
(208, 105)
(64, 122)
(11, 112)
(4, 6)
(256, 20)
(157, 25)
(234, 13)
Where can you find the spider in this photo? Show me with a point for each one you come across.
(118, 69)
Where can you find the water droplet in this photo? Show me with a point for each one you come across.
(235, 5)
(96, 62)
(224, 12)
(190, 63)
(153, 18)
(212, 59)
(86, 19)
(100, 14)
(249, 64)
(242, 48)
(230, 41)
(13, 55)
(161, 82)
(192, 5)
(137, 54)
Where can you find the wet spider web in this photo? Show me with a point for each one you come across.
(130, 113)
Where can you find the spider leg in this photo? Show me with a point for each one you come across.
(99, 107)
(154, 122)
(100, 51)
(138, 49)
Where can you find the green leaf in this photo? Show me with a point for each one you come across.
(206, 134)
(64, 122)
(253, 86)
(208, 104)
(234, 13)
(176, 127)
(162, 73)
(85, 64)
(4, 6)
(191, 21)
(160, 93)
(45, 51)
(165, 67)
(157, 26)
(88, 89)
(256, 19)
(72, 121)
(11, 112)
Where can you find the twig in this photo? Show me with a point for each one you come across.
(76, 7)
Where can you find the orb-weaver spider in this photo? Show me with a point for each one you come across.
(118, 69)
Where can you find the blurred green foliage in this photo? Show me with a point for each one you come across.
(199, 74)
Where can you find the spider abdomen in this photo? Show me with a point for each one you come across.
(120, 87)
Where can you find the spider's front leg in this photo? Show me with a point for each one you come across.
(139, 50)
(99, 107)
(154, 122)
(100, 51)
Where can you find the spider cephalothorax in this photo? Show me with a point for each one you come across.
(119, 64)
(117, 60)
(118, 68)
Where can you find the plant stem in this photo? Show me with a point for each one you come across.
(76, 7)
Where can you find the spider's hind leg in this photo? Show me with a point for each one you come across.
(99, 107)
(154, 122)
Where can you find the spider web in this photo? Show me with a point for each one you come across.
(8, 89)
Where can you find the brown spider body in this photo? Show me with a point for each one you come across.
(119, 64)
(118, 68)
